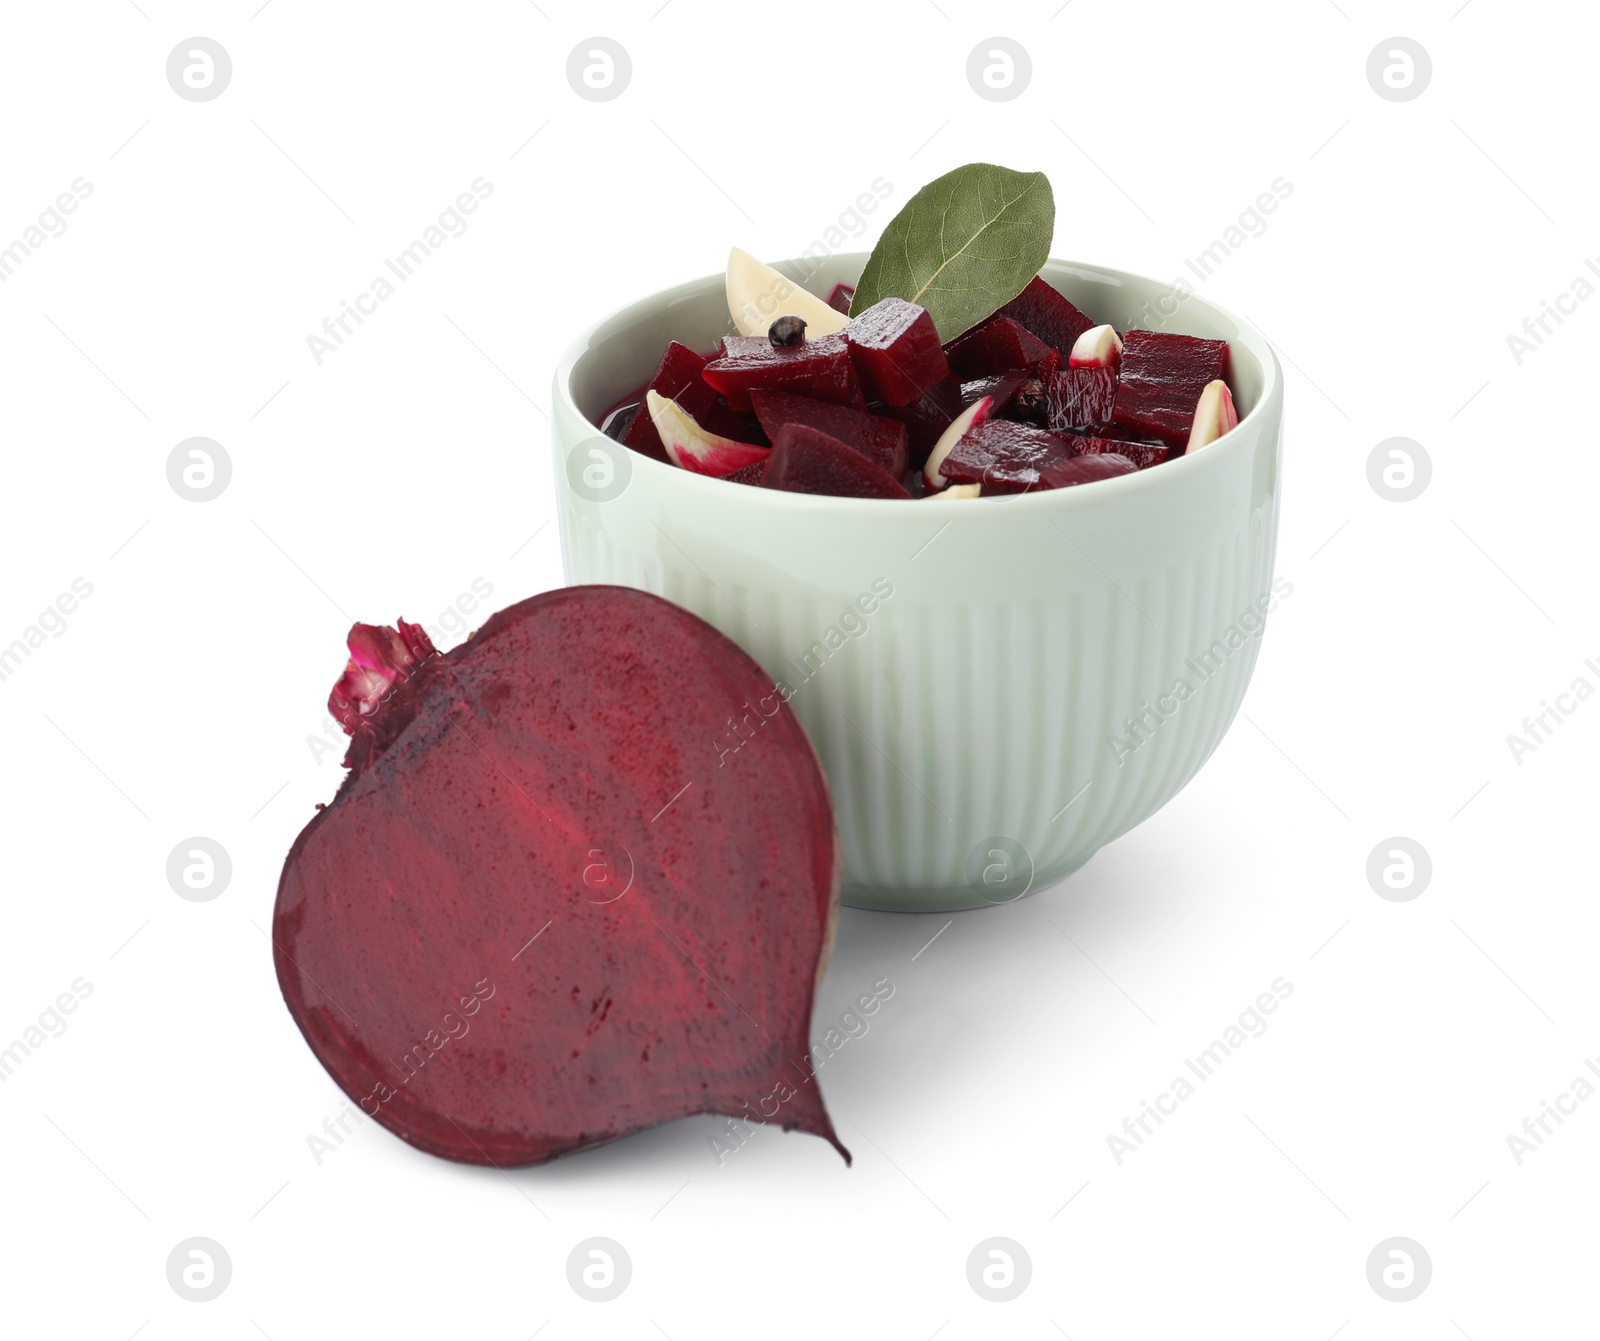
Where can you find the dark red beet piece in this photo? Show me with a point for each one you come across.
(807, 461)
(1142, 454)
(997, 345)
(678, 377)
(839, 298)
(1162, 378)
(1000, 386)
(819, 368)
(1047, 312)
(928, 416)
(896, 350)
(1003, 456)
(1084, 470)
(561, 896)
(1080, 399)
(750, 474)
(881, 440)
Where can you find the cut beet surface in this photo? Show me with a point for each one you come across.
(1142, 454)
(1003, 456)
(896, 350)
(928, 416)
(881, 440)
(582, 878)
(819, 368)
(840, 296)
(1080, 400)
(750, 474)
(678, 377)
(1084, 470)
(1162, 378)
(998, 345)
(807, 461)
(1048, 313)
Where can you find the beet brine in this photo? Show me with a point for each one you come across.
(948, 370)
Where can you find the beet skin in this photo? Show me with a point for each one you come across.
(582, 878)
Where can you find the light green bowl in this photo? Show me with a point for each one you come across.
(995, 687)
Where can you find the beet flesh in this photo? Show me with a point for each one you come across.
(805, 460)
(581, 878)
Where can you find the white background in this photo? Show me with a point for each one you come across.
(183, 694)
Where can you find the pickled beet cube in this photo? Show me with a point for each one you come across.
(839, 298)
(1002, 386)
(997, 345)
(896, 350)
(819, 368)
(1162, 378)
(928, 416)
(678, 377)
(880, 440)
(1142, 454)
(1048, 314)
(1004, 457)
(1080, 399)
(1084, 469)
(807, 461)
(750, 474)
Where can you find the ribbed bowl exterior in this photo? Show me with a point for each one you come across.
(995, 687)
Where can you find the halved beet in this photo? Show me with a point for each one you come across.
(582, 878)
(1080, 399)
(1049, 314)
(1003, 456)
(819, 368)
(807, 461)
(678, 377)
(1142, 454)
(839, 298)
(1162, 377)
(896, 350)
(1084, 470)
(880, 439)
(998, 345)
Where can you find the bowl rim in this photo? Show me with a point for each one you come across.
(1266, 412)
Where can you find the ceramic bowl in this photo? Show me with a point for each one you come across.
(996, 687)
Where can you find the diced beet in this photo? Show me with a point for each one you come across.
(819, 368)
(581, 879)
(1162, 378)
(1049, 315)
(1084, 470)
(1001, 386)
(997, 345)
(807, 461)
(1080, 399)
(678, 377)
(615, 423)
(896, 350)
(839, 298)
(1003, 456)
(750, 474)
(1142, 454)
(928, 416)
(881, 440)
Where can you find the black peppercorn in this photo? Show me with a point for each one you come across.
(787, 331)
(1029, 403)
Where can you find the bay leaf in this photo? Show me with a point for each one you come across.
(965, 245)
